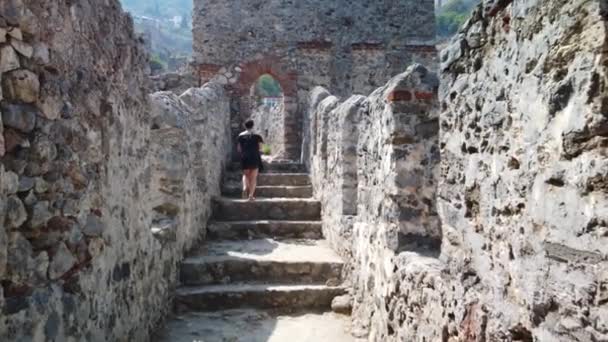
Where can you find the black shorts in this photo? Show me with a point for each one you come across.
(251, 162)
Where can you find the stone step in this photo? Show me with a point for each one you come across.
(287, 262)
(254, 325)
(235, 190)
(272, 179)
(278, 230)
(261, 296)
(288, 167)
(226, 209)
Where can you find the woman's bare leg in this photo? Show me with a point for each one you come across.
(248, 183)
(245, 184)
(253, 182)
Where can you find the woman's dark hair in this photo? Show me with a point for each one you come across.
(249, 124)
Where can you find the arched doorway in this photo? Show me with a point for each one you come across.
(266, 91)
(267, 108)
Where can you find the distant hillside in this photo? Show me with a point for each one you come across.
(159, 8)
(167, 27)
(452, 15)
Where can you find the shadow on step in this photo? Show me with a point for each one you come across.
(261, 261)
(236, 248)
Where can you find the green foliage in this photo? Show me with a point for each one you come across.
(157, 64)
(267, 86)
(452, 15)
(448, 23)
(458, 6)
(266, 150)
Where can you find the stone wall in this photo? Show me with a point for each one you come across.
(92, 218)
(346, 46)
(189, 146)
(270, 125)
(229, 33)
(176, 81)
(374, 164)
(520, 190)
(524, 171)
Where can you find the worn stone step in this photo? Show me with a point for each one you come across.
(272, 179)
(254, 325)
(235, 190)
(261, 296)
(289, 261)
(243, 230)
(288, 167)
(227, 209)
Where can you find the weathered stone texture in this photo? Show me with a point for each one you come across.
(523, 180)
(374, 164)
(270, 125)
(82, 169)
(519, 254)
(521, 188)
(189, 146)
(346, 46)
(178, 81)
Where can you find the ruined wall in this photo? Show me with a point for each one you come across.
(231, 32)
(524, 171)
(374, 169)
(521, 188)
(189, 134)
(346, 46)
(80, 255)
(177, 81)
(334, 163)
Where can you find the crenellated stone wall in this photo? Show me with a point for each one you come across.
(374, 166)
(349, 47)
(493, 229)
(334, 163)
(95, 213)
(476, 212)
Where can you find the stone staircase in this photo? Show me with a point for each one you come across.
(263, 255)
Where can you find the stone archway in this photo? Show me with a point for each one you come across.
(248, 74)
(267, 110)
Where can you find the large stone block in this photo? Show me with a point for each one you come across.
(3, 32)
(15, 212)
(21, 86)
(19, 116)
(23, 48)
(9, 60)
(61, 262)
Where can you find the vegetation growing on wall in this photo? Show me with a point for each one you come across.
(452, 15)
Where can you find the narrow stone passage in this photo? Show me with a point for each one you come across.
(265, 273)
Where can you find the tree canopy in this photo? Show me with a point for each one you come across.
(267, 86)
